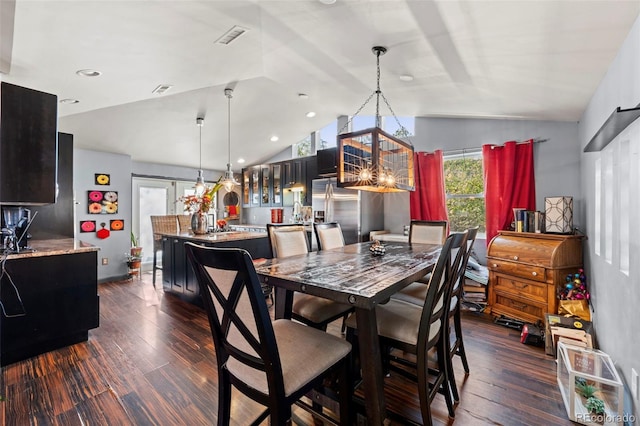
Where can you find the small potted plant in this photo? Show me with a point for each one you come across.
(136, 250)
(596, 408)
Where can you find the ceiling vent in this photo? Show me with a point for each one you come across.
(235, 32)
(161, 89)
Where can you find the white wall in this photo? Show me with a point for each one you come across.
(85, 165)
(556, 161)
(615, 295)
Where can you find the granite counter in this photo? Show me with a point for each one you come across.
(53, 247)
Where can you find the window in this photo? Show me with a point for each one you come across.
(463, 180)
(302, 148)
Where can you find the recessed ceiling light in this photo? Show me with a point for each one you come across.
(240, 160)
(327, 1)
(406, 77)
(303, 96)
(69, 101)
(311, 114)
(88, 73)
(161, 89)
(274, 138)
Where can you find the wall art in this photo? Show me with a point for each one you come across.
(102, 179)
(87, 226)
(116, 225)
(103, 202)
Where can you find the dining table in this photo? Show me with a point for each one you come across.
(356, 276)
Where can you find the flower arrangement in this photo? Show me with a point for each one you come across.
(201, 203)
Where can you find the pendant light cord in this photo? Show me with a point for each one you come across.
(200, 126)
(228, 129)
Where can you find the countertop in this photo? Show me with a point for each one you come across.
(218, 236)
(54, 247)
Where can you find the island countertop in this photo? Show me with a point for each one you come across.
(217, 236)
(53, 247)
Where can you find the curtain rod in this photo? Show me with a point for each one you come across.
(479, 148)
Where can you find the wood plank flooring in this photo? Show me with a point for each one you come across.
(152, 362)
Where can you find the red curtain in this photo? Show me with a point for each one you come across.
(509, 182)
(428, 201)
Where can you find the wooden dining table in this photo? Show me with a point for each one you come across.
(354, 276)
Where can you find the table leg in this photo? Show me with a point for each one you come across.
(284, 302)
(371, 364)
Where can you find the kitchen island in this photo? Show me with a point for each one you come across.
(49, 297)
(177, 275)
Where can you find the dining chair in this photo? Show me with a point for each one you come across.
(184, 222)
(290, 240)
(328, 235)
(266, 361)
(428, 231)
(422, 232)
(421, 332)
(456, 344)
(165, 224)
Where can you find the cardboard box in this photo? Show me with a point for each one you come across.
(570, 330)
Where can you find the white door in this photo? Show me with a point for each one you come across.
(150, 197)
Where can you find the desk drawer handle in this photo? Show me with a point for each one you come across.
(495, 265)
(534, 273)
(521, 286)
(518, 305)
(515, 257)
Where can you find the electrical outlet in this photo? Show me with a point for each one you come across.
(635, 384)
(105, 260)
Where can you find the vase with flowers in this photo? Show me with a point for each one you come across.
(199, 206)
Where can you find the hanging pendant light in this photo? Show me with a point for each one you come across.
(371, 159)
(199, 187)
(229, 182)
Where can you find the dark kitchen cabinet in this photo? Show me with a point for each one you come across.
(177, 275)
(28, 145)
(57, 306)
(56, 220)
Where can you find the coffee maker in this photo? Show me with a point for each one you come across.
(15, 222)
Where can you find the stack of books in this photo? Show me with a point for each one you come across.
(474, 289)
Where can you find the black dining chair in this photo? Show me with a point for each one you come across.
(290, 240)
(420, 331)
(422, 232)
(267, 361)
(328, 235)
(456, 343)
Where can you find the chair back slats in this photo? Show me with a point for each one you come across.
(287, 240)
(428, 231)
(458, 284)
(328, 235)
(164, 224)
(236, 308)
(435, 309)
(184, 222)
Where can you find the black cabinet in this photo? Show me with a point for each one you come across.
(266, 185)
(178, 276)
(59, 304)
(56, 220)
(28, 144)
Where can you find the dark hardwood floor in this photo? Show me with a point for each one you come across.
(152, 361)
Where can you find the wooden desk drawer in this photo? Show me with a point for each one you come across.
(528, 290)
(529, 272)
(519, 309)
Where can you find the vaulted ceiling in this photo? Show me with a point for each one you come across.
(498, 59)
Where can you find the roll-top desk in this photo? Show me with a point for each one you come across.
(525, 269)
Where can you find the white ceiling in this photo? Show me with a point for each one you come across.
(505, 59)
